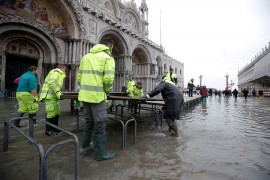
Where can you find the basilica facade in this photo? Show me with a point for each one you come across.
(48, 32)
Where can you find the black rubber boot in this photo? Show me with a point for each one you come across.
(100, 144)
(172, 127)
(31, 116)
(55, 122)
(49, 130)
(17, 122)
(86, 146)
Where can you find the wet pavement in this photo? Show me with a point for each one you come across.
(222, 139)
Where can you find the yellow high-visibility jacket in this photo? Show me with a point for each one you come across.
(168, 80)
(96, 74)
(137, 93)
(52, 87)
(172, 76)
(130, 84)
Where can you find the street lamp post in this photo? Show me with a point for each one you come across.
(200, 80)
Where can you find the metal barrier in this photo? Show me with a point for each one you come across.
(43, 164)
(124, 122)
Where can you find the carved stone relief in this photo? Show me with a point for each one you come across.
(14, 48)
(92, 26)
(130, 20)
(22, 47)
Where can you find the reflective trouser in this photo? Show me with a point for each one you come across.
(26, 103)
(95, 116)
(52, 107)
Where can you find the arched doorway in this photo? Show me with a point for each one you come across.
(19, 56)
(22, 46)
(118, 53)
(142, 68)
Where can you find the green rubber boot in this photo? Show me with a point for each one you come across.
(100, 144)
(86, 146)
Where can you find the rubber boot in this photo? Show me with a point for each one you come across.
(17, 122)
(50, 130)
(55, 122)
(31, 116)
(86, 146)
(173, 127)
(100, 144)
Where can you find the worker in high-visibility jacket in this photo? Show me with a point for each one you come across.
(172, 76)
(129, 90)
(130, 85)
(26, 95)
(137, 93)
(137, 90)
(190, 87)
(50, 95)
(96, 77)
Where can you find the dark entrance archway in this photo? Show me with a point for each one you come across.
(15, 67)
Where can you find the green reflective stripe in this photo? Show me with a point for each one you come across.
(109, 71)
(55, 86)
(108, 85)
(52, 79)
(91, 72)
(44, 91)
(47, 91)
(92, 88)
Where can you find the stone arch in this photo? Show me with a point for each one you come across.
(120, 43)
(119, 54)
(76, 23)
(142, 49)
(47, 51)
(141, 61)
(136, 18)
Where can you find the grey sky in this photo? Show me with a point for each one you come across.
(211, 37)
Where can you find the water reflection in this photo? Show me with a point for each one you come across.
(228, 137)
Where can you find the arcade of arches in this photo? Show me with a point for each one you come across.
(62, 32)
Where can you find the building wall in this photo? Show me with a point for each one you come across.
(61, 32)
(256, 74)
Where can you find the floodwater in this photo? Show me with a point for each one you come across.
(222, 139)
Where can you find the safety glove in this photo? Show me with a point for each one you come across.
(59, 95)
(145, 97)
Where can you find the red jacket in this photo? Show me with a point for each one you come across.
(203, 92)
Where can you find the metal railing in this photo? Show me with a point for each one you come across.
(43, 156)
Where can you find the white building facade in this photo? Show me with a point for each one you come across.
(256, 74)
